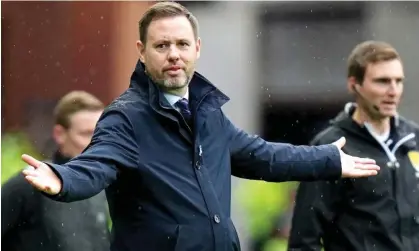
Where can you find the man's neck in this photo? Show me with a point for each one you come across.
(177, 92)
(380, 126)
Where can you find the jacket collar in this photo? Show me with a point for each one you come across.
(203, 94)
(350, 108)
(400, 127)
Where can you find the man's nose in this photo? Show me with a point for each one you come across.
(173, 53)
(393, 87)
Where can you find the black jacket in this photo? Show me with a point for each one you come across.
(168, 185)
(32, 222)
(376, 213)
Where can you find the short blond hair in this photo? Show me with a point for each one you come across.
(74, 102)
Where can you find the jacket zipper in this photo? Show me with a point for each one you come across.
(393, 164)
(391, 154)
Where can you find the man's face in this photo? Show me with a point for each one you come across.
(170, 52)
(74, 140)
(383, 88)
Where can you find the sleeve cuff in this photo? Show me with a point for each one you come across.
(334, 163)
(60, 171)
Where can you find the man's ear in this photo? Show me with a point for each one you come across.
(351, 85)
(198, 48)
(141, 51)
(59, 133)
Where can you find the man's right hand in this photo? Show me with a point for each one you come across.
(41, 176)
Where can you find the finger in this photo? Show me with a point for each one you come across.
(340, 142)
(356, 173)
(38, 184)
(34, 181)
(367, 167)
(29, 168)
(363, 160)
(29, 172)
(31, 161)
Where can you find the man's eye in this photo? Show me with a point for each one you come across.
(383, 80)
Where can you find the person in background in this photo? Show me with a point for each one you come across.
(374, 213)
(31, 221)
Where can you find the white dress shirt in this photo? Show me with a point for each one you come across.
(172, 99)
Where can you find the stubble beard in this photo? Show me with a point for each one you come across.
(175, 83)
(172, 84)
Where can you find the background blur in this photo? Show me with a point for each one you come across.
(283, 64)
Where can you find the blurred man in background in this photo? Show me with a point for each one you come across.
(374, 213)
(31, 221)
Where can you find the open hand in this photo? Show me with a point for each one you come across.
(355, 167)
(41, 176)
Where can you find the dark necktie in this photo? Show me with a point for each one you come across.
(183, 106)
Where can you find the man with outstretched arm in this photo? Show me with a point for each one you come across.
(165, 151)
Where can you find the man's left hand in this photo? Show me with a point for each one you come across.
(355, 167)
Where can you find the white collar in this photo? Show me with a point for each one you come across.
(172, 99)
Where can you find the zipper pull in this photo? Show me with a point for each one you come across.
(200, 151)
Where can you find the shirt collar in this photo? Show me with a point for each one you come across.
(172, 99)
